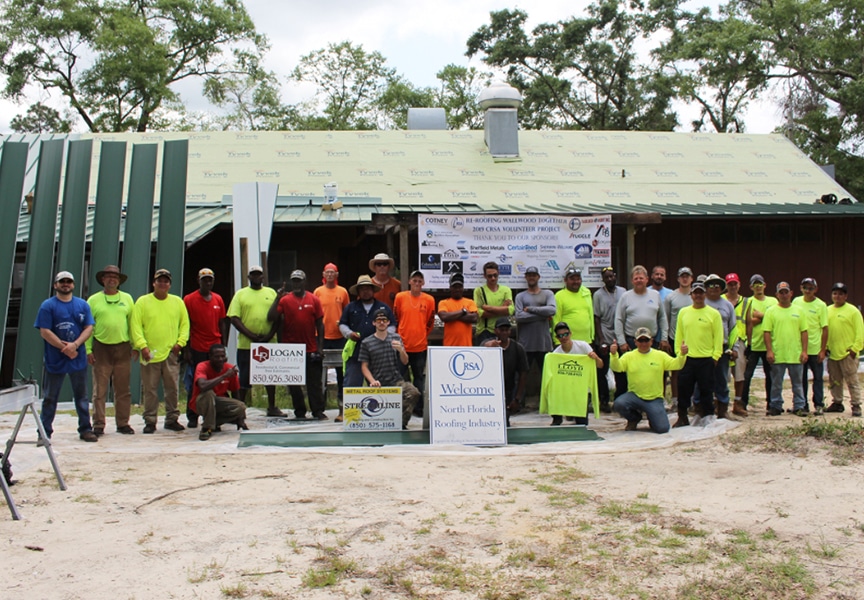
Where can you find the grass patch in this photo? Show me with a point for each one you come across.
(841, 438)
(331, 567)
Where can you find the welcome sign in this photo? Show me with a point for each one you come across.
(466, 396)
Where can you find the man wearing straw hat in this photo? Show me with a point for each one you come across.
(358, 323)
(388, 286)
(109, 349)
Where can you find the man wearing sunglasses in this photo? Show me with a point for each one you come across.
(388, 286)
(645, 369)
(493, 300)
(714, 286)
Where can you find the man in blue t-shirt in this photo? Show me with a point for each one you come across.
(65, 322)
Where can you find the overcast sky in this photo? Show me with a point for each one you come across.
(417, 38)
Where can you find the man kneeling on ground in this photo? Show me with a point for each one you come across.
(644, 370)
(382, 356)
(214, 378)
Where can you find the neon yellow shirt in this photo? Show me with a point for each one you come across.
(112, 315)
(483, 295)
(577, 310)
(845, 331)
(252, 306)
(702, 330)
(159, 325)
(757, 342)
(817, 319)
(645, 371)
(785, 326)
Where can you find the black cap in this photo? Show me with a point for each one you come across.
(502, 322)
(573, 271)
(415, 273)
(532, 271)
(840, 287)
(382, 313)
(457, 278)
(561, 325)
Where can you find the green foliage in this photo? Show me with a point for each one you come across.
(582, 73)
(41, 119)
(113, 60)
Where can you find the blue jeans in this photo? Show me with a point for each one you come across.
(721, 379)
(353, 374)
(630, 406)
(795, 375)
(417, 363)
(51, 385)
(818, 370)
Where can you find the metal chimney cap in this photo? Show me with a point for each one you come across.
(499, 95)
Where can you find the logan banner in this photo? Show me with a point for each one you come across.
(463, 243)
(277, 364)
(466, 396)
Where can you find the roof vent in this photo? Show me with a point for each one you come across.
(501, 124)
(427, 118)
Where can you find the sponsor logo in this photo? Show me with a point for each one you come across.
(759, 174)
(431, 244)
(713, 194)
(602, 253)
(666, 173)
(448, 267)
(456, 135)
(430, 262)
(260, 355)
(436, 221)
(761, 193)
(410, 135)
(537, 154)
(551, 136)
(571, 173)
(466, 365)
(372, 406)
(582, 154)
(570, 367)
(583, 251)
(365, 135)
(718, 154)
(450, 254)
(505, 269)
(503, 257)
(712, 174)
(458, 194)
(767, 155)
(458, 223)
(351, 194)
(664, 194)
(791, 173)
(196, 197)
(627, 153)
(197, 136)
(553, 264)
(566, 194)
(658, 136)
(575, 224)
(194, 155)
(515, 194)
(614, 194)
(522, 173)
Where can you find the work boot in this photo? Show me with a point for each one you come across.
(835, 407)
(739, 409)
(683, 420)
(706, 409)
(722, 407)
(604, 407)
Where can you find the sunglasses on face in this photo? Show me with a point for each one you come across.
(643, 341)
(65, 281)
(382, 264)
(562, 334)
(713, 285)
(382, 320)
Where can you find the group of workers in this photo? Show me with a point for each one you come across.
(701, 331)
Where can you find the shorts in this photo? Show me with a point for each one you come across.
(741, 363)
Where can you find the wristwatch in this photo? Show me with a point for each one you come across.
(464, 311)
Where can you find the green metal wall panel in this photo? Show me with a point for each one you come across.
(136, 236)
(39, 264)
(73, 217)
(105, 247)
(13, 166)
(139, 219)
(172, 212)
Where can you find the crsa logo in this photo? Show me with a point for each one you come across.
(466, 365)
(260, 354)
(372, 406)
(458, 223)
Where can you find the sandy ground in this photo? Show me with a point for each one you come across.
(167, 516)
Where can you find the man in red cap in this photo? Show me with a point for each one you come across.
(738, 360)
(334, 298)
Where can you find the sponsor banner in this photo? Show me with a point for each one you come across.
(372, 409)
(277, 364)
(463, 243)
(466, 396)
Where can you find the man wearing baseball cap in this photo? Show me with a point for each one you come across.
(785, 331)
(575, 306)
(248, 314)
(302, 319)
(534, 309)
(208, 325)
(160, 329)
(738, 360)
(672, 304)
(700, 328)
(334, 298)
(457, 313)
(845, 342)
(756, 350)
(645, 370)
(415, 311)
(109, 349)
(816, 312)
(65, 322)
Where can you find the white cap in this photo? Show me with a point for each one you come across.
(256, 269)
(63, 275)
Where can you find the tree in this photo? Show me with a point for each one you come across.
(460, 87)
(41, 119)
(720, 64)
(817, 46)
(349, 83)
(582, 73)
(115, 61)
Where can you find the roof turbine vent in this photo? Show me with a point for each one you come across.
(501, 123)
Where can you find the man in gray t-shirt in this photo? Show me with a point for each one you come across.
(534, 308)
(605, 301)
(678, 299)
(640, 307)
